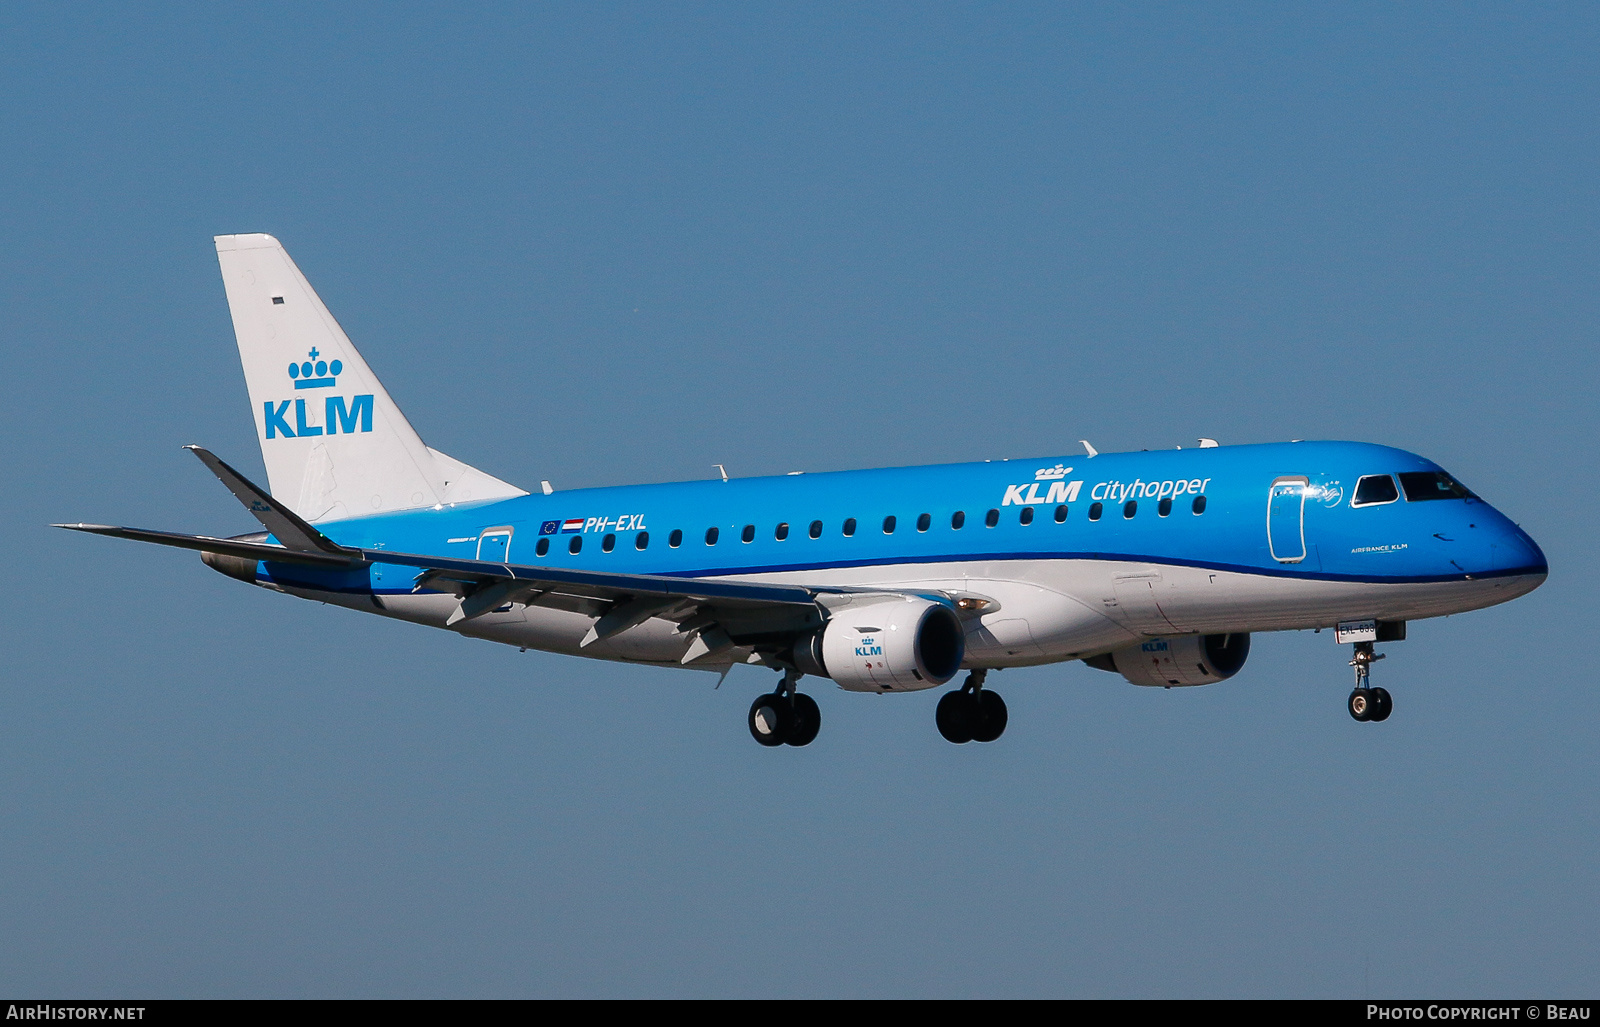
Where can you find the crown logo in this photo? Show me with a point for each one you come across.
(314, 373)
(1055, 473)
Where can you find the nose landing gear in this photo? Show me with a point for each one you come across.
(1367, 703)
(971, 713)
(786, 716)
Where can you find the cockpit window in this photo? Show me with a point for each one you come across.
(1375, 489)
(1424, 485)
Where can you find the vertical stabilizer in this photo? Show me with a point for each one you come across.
(334, 443)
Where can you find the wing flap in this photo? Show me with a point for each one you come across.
(602, 584)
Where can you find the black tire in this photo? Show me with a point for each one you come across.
(1382, 705)
(955, 717)
(991, 719)
(1360, 704)
(807, 721)
(770, 719)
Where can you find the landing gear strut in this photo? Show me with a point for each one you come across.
(785, 717)
(971, 713)
(1367, 703)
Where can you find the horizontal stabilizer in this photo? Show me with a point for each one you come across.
(225, 546)
(284, 523)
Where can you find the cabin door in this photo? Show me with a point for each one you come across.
(1286, 518)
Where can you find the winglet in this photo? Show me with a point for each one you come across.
(1089, 449)
(284, 523)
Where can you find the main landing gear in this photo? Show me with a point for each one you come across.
(971, 713)
(1368, 703)
(785, 717)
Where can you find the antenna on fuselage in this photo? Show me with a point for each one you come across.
(1089, 449)
(1207, 443)
(722, 471)
(544, 487)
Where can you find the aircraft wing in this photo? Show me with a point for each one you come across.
(442, 570)
(720, 613)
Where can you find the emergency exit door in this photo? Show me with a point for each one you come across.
(494, 545)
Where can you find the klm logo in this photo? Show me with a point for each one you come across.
(869, 647)
(337, 414)
(1052, 479)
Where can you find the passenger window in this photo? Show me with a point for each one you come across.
(888, 525)
(675, 539)
(1199, 505)
(1375, 489)
(958, 519)
(991, 518)
(748, 534)
(543, 547)
(1025, 515)
(1130, 508)
(608, 543)
(642, 541)
(1424, 485)
(1094, 511)
(711, 536)
(1164, 507)
(923, 522)
(577, 544)
(849, 526)
(816, 529)
(781, 532)
(1061, 514)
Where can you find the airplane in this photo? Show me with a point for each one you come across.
(1155, 565)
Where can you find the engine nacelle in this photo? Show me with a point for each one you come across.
(1189, 660)
(899, 644)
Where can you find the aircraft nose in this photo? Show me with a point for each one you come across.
(1516, 551)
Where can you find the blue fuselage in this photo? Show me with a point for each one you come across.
(1200, 508)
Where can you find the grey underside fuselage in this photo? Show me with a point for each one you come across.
(1037, 611)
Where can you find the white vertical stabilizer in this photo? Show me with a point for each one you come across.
(334, 443)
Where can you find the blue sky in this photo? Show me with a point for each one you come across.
(606, 244)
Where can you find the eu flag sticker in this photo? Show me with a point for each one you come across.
(549, 527)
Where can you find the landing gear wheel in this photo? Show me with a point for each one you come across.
(955, 716)
(990, 722)
(770, 719)
(807, 720)
(1361, 704)
(1382, 705)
